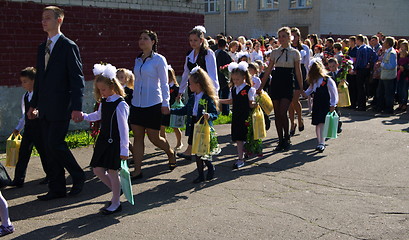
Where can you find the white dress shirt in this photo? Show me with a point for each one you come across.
(151, 81)
(332, 90)
(254, 55)
(198, 96)
(251, 94)
(256, 81)
(22, 120)
(211, 68)
(122, 113)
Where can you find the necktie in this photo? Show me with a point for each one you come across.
(47, 53)
(282, 52)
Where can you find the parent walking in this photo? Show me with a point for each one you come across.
(57, 95)
(286, 61)
(150, 100)
(202, 56)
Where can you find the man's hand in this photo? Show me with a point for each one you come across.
(16, 132)
(77, 116)
(165, 110)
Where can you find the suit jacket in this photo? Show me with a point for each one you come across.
(188, 111)
(58, 90)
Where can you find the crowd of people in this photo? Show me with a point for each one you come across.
(221, 76)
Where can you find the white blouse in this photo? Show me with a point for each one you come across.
(251, 94)
(151, 81)
(211, 68)
(122, 113)
(196, 104)
(254, 55)
(256, 81)
(332, 90)
(285, 57)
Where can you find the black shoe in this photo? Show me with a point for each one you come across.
(50, 196)
(286, 145)
(76, 189)
(182, 155)
(279, 146)
(16, 184)
(210, 174)
(301, 128)
(139, 176)
(292, 131)
(104, 211)
(361, 109)
(199, 179)
(44, 181)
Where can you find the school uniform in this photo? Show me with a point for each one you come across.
(206, 59)
(241, 96)
(113, 138)
(151, 91)
(31, 137)
(194, 111)
(174, 91)
(282, 82)
(325, 95)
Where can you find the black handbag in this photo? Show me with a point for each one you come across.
(4, 177)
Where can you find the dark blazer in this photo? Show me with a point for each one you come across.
(188, 111)
(58, 90)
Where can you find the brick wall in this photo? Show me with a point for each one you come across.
(102, 34)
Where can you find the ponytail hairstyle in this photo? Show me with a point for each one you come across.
(317, 71)
(201, 77)
(106, 74)
(154, 37)
(297, 32)
(130, 77)
(172, 76)
(200, 32)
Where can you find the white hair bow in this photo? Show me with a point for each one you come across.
(242, 66)
(241, 54)
(170, 67)
(200, 28)
(194, 70)
(107, 70)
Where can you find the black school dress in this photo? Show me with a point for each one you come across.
(321, 103)
(282, 82)
(173, 91)
(107, 148)
(241, 111)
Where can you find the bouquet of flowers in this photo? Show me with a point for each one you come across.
(346, 66)
(214, 143)
(225, 70)
(252, 147)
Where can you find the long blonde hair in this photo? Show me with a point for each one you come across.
(316, 72)
(130, 77)
(206, 84)
(111, 83)
(245, 74)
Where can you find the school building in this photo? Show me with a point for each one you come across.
(254, 18)
(105, 31)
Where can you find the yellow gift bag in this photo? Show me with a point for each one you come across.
(343, 94)
(259, 128)
(265, 102)
(201, 138)
(12, 150)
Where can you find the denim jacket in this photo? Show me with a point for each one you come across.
(188, 111)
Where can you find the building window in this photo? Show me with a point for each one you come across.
(300, 3)
(211, 6)
(238, 5)
(268, 4)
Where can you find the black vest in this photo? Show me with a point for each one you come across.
(200, 61)
(241, 101)
(109, 122)
(28, 122)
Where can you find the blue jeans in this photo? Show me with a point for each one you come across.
(224, 94)
(386, 93)
(402, 90)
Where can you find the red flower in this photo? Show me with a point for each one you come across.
(247, 124)
(172, 90)
(243, 92)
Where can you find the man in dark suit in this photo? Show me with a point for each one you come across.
(58, 92)
(223, 58)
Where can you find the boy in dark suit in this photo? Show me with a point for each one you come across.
(32, 132)
(334, 73)
(58, 92)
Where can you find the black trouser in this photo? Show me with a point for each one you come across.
(351, 79)
(59, 156)
(362, 77)
(31, 138)
(224, 94)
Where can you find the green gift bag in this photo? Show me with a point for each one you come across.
(126, 184)
(331, 125)
(177, 121)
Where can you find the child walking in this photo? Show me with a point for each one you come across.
(112, 143)
(202, 102)
(174, 91)
(242, 96)
(32, 132)
(325, 98)
(6, 227)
